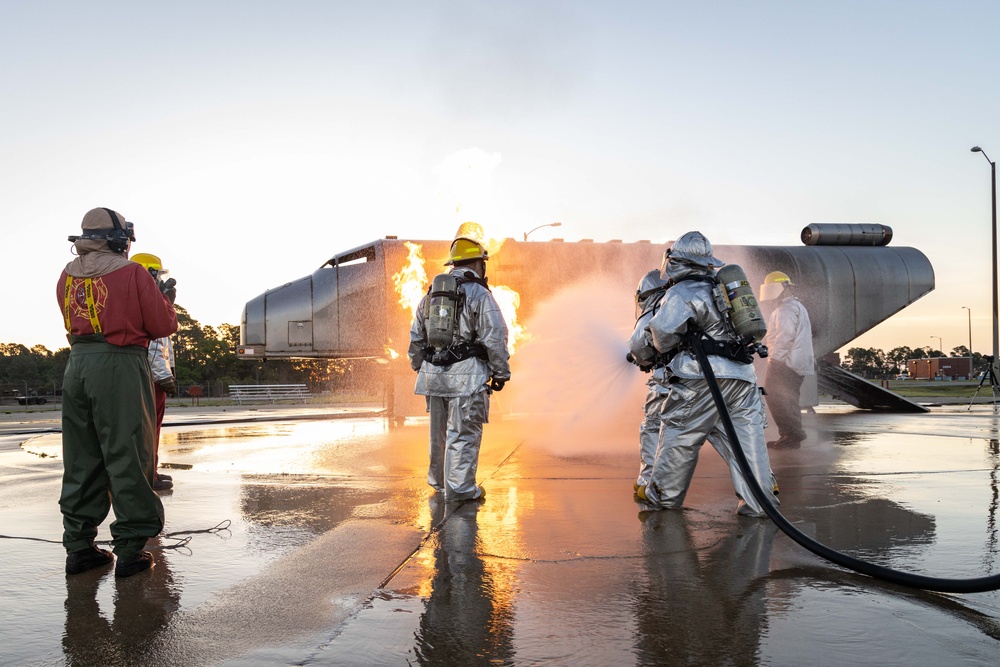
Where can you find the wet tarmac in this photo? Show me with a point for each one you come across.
(306, 536)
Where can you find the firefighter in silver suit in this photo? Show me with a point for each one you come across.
(458, 377)
(689, 415)
(642, 353)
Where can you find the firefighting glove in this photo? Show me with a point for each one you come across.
(169, 289)
(497, 385)
(167, 386)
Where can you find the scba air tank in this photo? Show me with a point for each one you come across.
(442, 306)
(744, 312)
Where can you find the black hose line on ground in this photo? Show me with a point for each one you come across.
(978, 585)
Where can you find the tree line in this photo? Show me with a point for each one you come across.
(205, 357)
(874, 363)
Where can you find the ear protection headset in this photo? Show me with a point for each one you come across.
(118, 237)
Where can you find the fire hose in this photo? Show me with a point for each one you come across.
(977, 585)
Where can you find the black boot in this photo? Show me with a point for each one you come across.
(87, 559)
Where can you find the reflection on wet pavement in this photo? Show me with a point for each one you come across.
(468, 615)
(129, 630)
(338, 554)
(713, 584)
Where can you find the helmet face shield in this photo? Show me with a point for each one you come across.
(774, 285)
(770, 291)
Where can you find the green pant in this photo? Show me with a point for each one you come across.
(108, 431)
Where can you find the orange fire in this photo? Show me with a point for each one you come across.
(509, 301)
(411, 281)
(411, 285)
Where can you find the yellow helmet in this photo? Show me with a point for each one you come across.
(469, 243)
(150, 262)
(774, 285)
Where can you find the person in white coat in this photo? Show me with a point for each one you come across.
(789, 341)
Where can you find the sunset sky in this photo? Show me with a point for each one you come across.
(250, 141)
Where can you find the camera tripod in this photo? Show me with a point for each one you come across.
(994, 385)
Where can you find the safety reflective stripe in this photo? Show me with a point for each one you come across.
(91, 308)
(66, 295)
(88, 287)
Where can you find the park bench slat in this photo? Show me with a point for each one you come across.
(268, 392)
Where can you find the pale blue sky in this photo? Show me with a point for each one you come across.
(249, 141)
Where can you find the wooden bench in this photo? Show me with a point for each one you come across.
(268, 393)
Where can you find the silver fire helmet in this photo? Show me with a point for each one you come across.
(693, 248)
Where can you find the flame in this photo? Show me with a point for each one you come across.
(411, 285)
(411, 281)
(509, 301)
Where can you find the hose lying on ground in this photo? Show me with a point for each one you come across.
(978, 585)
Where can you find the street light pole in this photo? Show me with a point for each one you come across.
(970, 330)
(996, 328)
(551, 224)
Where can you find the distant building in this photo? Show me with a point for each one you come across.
(943, 368)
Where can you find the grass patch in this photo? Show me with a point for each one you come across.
(915, 389)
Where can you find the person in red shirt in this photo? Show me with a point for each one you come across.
(111, 308)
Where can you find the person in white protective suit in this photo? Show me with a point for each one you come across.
(458, 377)
(789, 340)
(689, 414)
(642, 353)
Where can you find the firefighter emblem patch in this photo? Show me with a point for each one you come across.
(78, 302)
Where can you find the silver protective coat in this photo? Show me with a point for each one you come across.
(689, 415)
(687, 305)
(640, 346)
(458, 394)
(160, 355)
(480, 320)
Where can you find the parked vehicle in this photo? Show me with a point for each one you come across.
(32, 399)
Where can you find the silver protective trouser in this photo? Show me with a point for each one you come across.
(456, 432)
(649, 429)
(689, 417)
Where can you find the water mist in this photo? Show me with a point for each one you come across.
(573, 389)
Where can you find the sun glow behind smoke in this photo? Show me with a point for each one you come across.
(465, 186)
